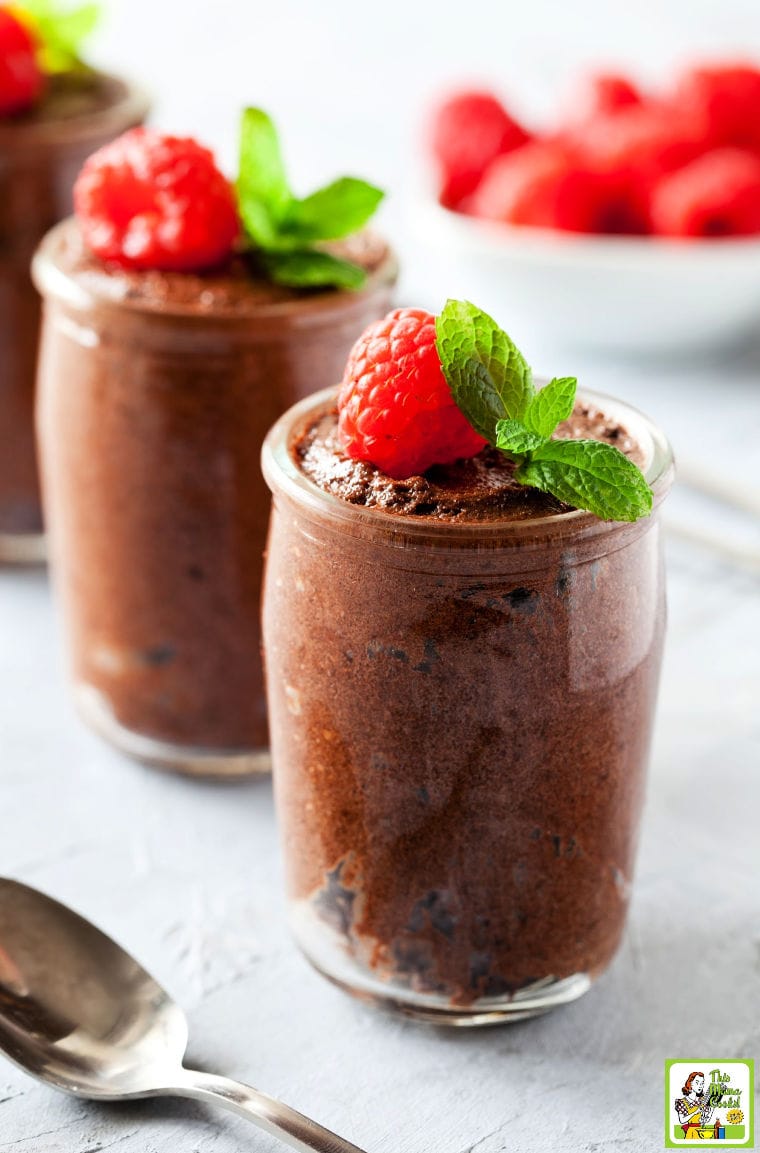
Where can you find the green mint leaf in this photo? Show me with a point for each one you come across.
(512, 436)
(61, 33)
(473, 390)
(286, 231)
(551, 405)
(309, 268)
(488, 376)
(332, 212)
(590, 475)
(263, 191)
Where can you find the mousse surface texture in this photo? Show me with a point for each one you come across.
(477, 489)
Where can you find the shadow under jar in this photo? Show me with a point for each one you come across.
(461, 717)
(156, 390)
(41, 153)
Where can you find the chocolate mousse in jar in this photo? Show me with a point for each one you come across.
(462, 674)
(169, 347)
(49, 123)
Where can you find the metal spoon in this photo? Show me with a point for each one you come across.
(79, 1013)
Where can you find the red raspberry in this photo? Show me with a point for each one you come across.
(21, 78)
(469, 130)
(396, 409)
(636, 138)
(152, 201)
(540, 185)
(726, 100)
(716, 195)
(632, 149)
(606, 93)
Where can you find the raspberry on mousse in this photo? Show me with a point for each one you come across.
(21, 78)
(395, 407)
(151, 201)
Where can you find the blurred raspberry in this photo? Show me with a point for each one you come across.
(395, 406)
(607, 92)
(152, 201)
(643, 136)
(468, 131)
(21, 78)
(542, 185)
(716, 195)
(631, 150)
(725, 100)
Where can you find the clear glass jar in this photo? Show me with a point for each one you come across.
(151, 415)
(460, 720)
(40, 157)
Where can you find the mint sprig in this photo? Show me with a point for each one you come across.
(289, 234)
(551, 405)
(488, 376)
(332, 212)
(262, 187)
(61, 32)
(588, 474)
(303, 268)
(492, 385)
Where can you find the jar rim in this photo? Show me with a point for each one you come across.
(131, 107)
(283, 475)
(105, 289)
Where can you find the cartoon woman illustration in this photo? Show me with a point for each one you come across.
(693, 1111)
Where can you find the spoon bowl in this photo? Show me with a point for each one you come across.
(75, 1009)
(79, 1013)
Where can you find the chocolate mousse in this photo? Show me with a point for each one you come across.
(480, 488)
(462, 675)
(42, 150)
(156, 391)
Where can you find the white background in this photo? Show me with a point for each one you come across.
(349, 81)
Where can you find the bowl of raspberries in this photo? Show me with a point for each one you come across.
(632, 223)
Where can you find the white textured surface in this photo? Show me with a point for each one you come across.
(188, 875)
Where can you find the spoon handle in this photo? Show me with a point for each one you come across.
(269, 1114)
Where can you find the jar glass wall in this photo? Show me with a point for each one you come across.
(461, 718)
(40, 157)
(151, 419)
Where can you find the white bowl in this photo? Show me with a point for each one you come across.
(619, 293)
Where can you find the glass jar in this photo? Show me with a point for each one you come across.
(152, 411)
(460, 720)
(40, 156)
